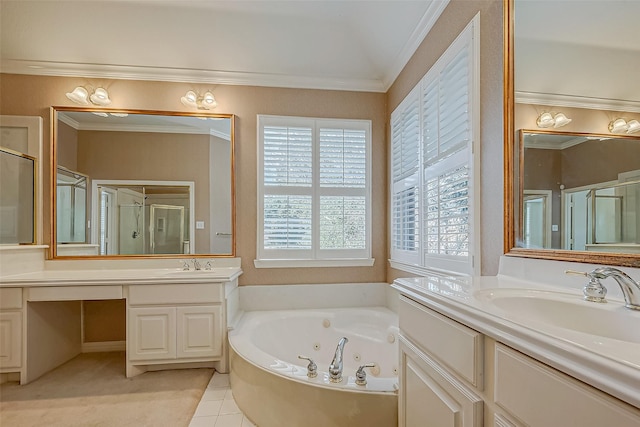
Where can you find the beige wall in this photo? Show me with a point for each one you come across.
(68, 147)
(451, 23)
(33, 95)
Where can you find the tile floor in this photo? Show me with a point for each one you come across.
(217, 407)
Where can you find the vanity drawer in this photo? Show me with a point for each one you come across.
(74, 293)
(454, 345)
(10, 298)
(566, 401)
(174, 294)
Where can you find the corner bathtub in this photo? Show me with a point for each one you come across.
(270, 383)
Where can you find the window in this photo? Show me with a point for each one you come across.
(434, 171)
(314, 206)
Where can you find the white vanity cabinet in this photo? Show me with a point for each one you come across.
(453, 375)
(174, 323)
(440, 369)
(10, 330)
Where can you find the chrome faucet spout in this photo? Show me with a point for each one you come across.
(335, 369)
(630, 288)
(594, 290)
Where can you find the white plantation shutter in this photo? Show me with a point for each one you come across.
(444, 197)
(405, 147)
(314, 177)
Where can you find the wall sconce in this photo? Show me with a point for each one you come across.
(80, 95)
(201, 102)
(547, 120)
(620, 125)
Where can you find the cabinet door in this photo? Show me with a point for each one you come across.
(430, 396)
(566, 401)
(10, 339)
(152, 333)
(199, 331)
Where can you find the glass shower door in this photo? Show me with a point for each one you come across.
(166, 229)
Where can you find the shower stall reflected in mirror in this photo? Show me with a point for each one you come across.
(71, 206)
(137, 220)
(17, 198)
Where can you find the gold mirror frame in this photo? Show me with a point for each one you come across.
(53, 157)
(512, 157)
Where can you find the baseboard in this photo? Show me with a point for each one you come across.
(96, 347)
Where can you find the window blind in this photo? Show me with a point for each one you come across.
(432, 135)
(314, 188)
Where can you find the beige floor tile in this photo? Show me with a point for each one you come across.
(229, 407)
(228, 395)
(231, 420)
(209, 421)
(219, 380)
(215, 394)
(208, 408)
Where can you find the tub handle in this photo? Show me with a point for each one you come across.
(312, 368)
(361, 375)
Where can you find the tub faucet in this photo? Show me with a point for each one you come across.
(596, 292)
(335, 369)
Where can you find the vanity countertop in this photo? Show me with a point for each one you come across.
(610, 363)
(73, 277)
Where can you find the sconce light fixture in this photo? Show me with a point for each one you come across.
(548, 120)
(620, 125)
(201, 102)
(80, 95)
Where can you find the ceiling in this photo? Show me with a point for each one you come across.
(345, 45)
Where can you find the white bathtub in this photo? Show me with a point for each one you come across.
(270, 383)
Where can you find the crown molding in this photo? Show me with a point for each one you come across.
(185, 75)
(111, 127)
(428, 20)
(554, 146)
(558, 100)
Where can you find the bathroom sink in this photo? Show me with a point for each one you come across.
(567, 311)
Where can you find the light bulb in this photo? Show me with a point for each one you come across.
(634, 126)
(100, 97)
(561, 120)
(189, 99)
(545, 120)
(79, 96)
(208, 101)
(618, 126)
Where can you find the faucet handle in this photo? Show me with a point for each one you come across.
(361, 375)
(312, 368)
(208, 266)
(185, 265)
(576, 273)
(592, 291)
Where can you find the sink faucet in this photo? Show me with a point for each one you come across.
(335, 369)
(596, 292)
(196, 264)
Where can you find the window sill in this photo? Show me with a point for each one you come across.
(422, 271)
(305, 263)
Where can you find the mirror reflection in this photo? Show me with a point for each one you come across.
(142, 183)
(17, 178)
(580, 191)
(579, 64)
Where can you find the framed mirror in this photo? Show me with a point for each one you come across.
(578, 64)
(132, 183)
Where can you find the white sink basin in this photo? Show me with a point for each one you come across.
(567, 311)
